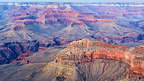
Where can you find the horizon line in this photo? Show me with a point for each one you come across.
(83, 1)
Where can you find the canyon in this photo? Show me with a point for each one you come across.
(71, 42)
(71, 22)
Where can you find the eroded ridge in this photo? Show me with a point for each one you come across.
(87, 50)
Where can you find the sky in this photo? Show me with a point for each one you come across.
(72, 0)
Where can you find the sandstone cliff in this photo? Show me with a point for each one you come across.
(87, 51)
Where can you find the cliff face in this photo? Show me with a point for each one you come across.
(15, 52)
(87, 51)
(51, 25)
(73, 23)
(82, 60)
(12, 50)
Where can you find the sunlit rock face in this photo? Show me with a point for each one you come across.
(82, 60)
(85, 53)
(71, 42)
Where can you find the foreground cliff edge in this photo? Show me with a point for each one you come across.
(85, 60)
(127, 60)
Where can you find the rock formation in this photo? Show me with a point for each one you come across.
(50, 21)
(15, 52)
(87, 51)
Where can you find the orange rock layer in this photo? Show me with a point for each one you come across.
(86, 50)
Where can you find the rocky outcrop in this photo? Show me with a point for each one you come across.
(87, 51)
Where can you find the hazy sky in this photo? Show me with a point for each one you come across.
(72, 0)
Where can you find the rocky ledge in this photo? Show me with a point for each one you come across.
(87, 51)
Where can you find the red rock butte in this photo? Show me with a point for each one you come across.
(87, 50)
